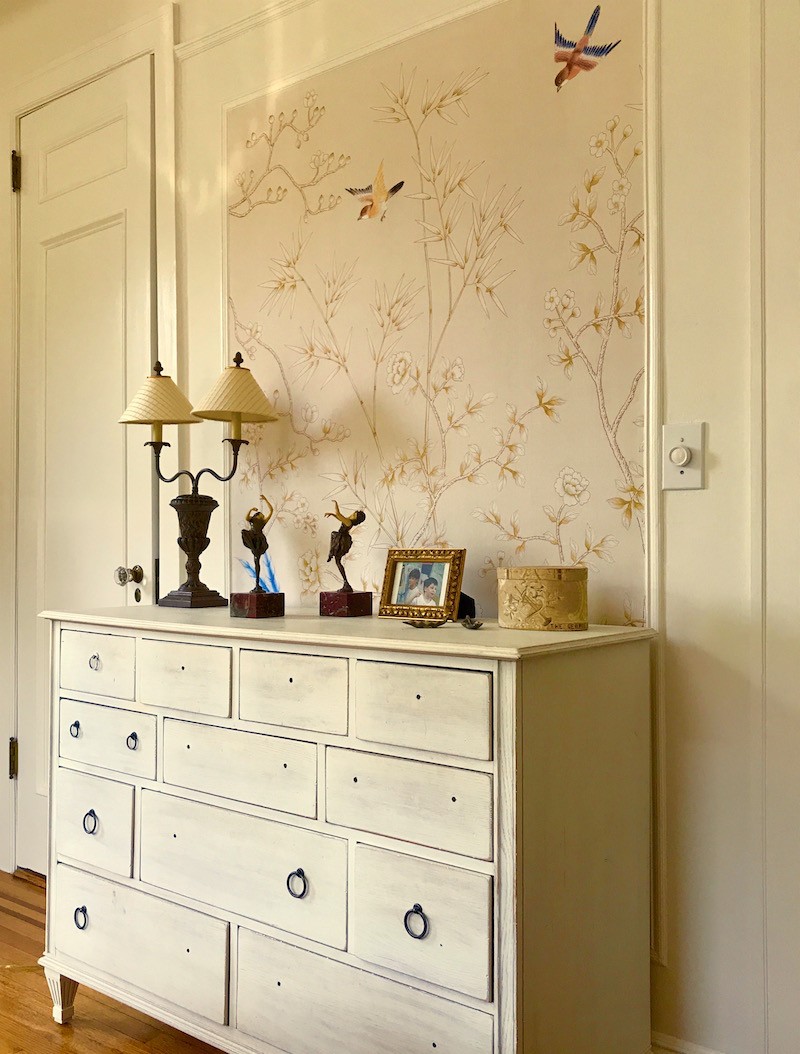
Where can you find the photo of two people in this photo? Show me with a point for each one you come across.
(420, 584)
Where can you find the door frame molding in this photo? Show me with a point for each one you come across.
(154, 36)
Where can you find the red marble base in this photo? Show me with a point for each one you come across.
(345, 605)
(257, 605)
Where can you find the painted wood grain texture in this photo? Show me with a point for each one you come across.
(241, 863)
(584, 841)
(103, 735)
(104, 839)
(450, 642)
(376, 1016)
(456, 952)
(26, 1024)
(100, 663)
(245, 766)
(181, 676)
(177, 954)
(427, 707)
(446, 808)
(296, 691)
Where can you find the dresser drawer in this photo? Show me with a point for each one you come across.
(94, 821)
(181, 676)
(295, 691)
(430, 920)
(297, 1001)
(122, 740)
(101, 663)
(427, 707)
(177, 954)
(263, 770)
(244, 863)
(435, 805)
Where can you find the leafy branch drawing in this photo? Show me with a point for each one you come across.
(617, 238)
(459, 232)
(323, 165)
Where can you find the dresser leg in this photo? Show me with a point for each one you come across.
(62, 991)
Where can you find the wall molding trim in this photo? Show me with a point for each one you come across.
(670, 1045)
(273, 11)
(281, 8)
(655, 496)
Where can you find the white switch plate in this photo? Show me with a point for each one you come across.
(683, 477)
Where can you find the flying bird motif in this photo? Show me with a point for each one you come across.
(375, 196)
(579, 56)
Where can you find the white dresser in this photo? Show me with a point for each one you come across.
(325, 835)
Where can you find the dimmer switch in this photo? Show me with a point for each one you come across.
(683, 457)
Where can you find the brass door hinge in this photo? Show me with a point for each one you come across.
(16, 171)
(13, 759)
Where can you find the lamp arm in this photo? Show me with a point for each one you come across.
(157, 448)
(236, 445)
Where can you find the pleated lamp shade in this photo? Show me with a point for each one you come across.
(236, 397)
(159, 401)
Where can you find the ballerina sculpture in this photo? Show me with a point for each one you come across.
(344, 601)
(258, 603)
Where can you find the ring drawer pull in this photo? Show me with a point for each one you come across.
(299, 873)
(416, 910)
(94, 662)
(132, 742)
(75, 729)
(91, 822)
(81, 917)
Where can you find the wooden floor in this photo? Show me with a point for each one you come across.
(100, 1025)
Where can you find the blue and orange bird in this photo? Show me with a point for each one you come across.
(375, 196)
(579, 56)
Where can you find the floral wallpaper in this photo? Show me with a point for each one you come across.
(435, 271)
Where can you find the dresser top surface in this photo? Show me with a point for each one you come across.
(489, 642)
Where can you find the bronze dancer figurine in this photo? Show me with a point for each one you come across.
(341, 542)
(255, 540)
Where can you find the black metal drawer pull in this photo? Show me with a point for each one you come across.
(75, 729)
(94, 662)
(416, 910)
(81, 917)
(91, 822)
(299, 873)
(132, 742)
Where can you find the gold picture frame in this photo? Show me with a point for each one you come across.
(422, 584)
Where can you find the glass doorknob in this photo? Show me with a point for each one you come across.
(123, 575)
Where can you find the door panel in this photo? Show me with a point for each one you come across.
(86, 280)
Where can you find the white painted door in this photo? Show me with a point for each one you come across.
(86, 280)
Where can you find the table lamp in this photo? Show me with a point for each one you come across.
(236, 398)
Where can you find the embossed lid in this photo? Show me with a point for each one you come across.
(543, 573)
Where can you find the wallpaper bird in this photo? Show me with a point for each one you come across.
(579, 56)
(375, 196)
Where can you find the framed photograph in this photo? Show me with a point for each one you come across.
(422, 584)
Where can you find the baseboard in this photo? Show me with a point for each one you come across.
(669, 1045)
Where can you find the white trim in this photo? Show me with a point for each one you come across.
(273, 11)
(670, 1045)
(281, 8)
(151, 36)
(758, 449)
(655, 499)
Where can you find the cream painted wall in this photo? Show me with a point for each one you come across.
(710, 992)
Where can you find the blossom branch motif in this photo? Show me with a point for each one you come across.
(323, 165)
(461, 231)
(463, 234)
(620, 238)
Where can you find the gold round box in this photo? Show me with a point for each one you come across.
(543, 598)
